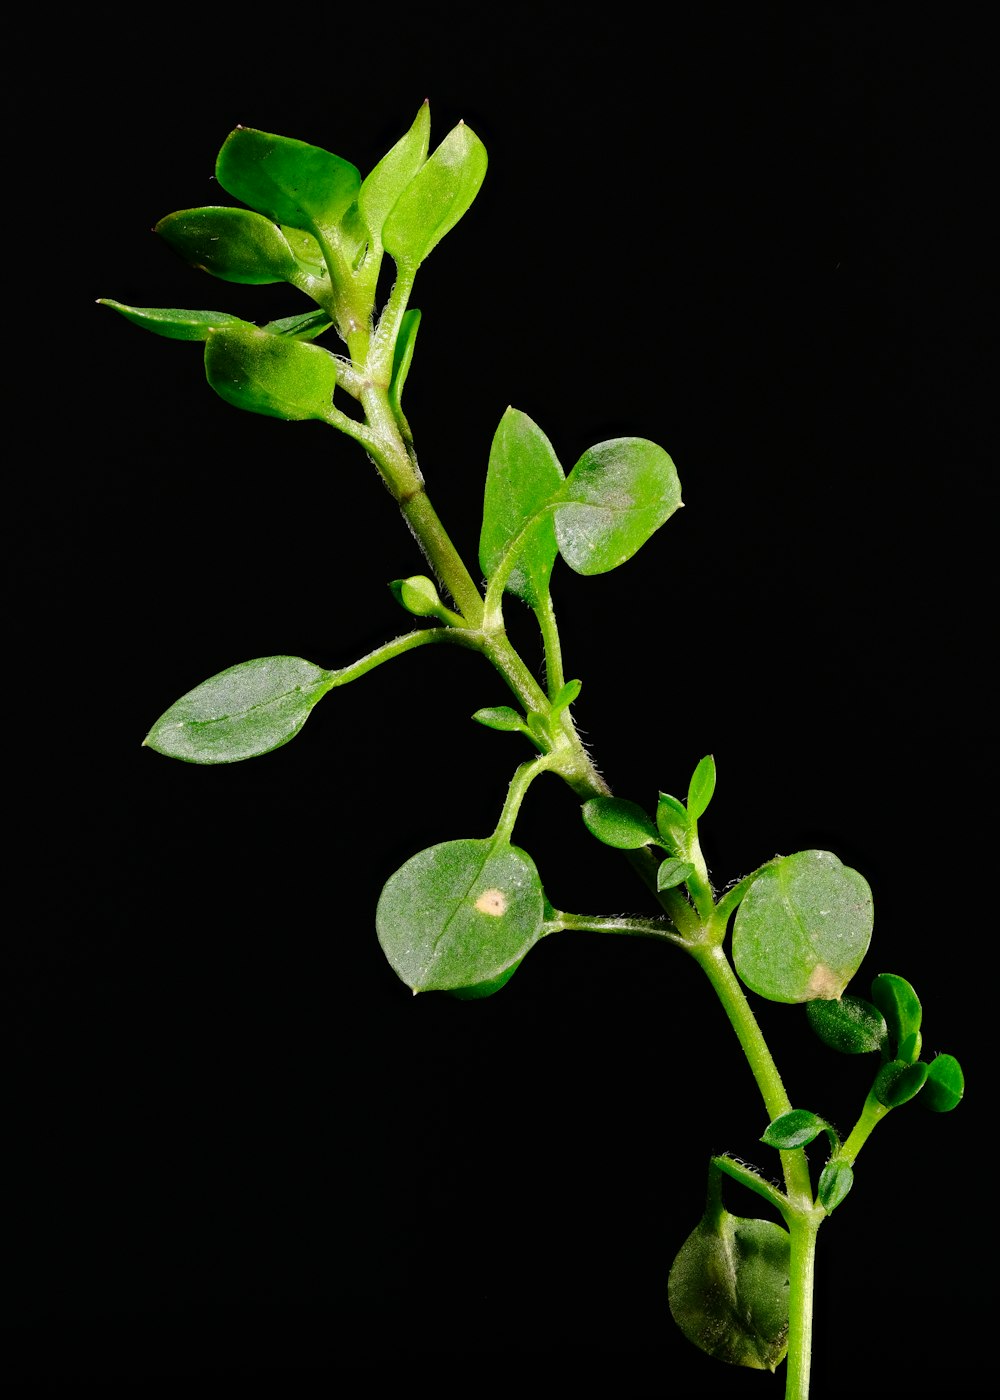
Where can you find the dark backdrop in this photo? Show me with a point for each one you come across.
(241, 1149)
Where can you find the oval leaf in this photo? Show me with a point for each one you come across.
(793, 1129)
(381, 189)
(436, 198)
(460, 914)
(898, 1082)
(232, 244)
(803, 928)
(270, 374)
(945, 1084)
(618, 823)
(290, 181)
(172, 322)
(899, 1004)
(728, 1290)
(701, 787)
(852, 1026)
(240, 713)
(835, 1180)
(523, 476)
(672, 872)
(615, 497)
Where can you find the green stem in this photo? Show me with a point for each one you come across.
(872, 1113)
(554, 678)
(596, 923)
(802, 1227)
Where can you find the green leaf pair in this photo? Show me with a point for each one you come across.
(617, 822)
(597, 517)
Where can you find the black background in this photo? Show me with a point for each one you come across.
(755, 234)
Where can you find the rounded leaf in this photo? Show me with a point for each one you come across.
(460, 914)
(270, 374)
(851, 1025)
(897, 1082)
(618, 823)
(899, 1004)
(290, 181)
(522, 477)
(728, 1290)
(245, 711)
(944, 1085)
(232, 244)
(803, 928)
(616, 496)
(793, 1129)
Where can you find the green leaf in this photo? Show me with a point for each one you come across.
(172, 322)
(460, 914)
(402, 358)
(565, 696)
(418, 595)
(271, 374)
(835, 1180)
(240, 713)
(523, 476)
(851, 1025)
(672, 822)
(945, 1084)
(232, 244)
(289, 181)
(803, 928)
(436, 198)
(898, 1003)
(701, 788)
(618, 823)
(672, 872)
(616, 496)
(306, 326)
(793, 1129)
(381, 189)
(728, 1290)
(500, 717)
(909, 1047)
(897, 1082)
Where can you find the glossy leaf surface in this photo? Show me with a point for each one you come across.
(701, 787)
(436, 198)
(270, 374)
(402, 358)
(232, 244)
(672, 821)
(289, 181)
(460, 915)
(897, 1082)
(835, 1181)
(803, 928)
(381, 189)
(306, 326)
(728, 1290)
(616, 496)
(899, 1004)
(851, 1025)
(522, 477)
(172, 322)
(944, 1085)
(795, 1128)
(619, 823)
(243, 712)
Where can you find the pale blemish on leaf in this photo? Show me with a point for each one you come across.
(824, 984)
(492, 902)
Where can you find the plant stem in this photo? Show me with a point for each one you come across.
(802, 1227)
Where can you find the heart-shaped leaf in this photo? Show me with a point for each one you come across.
(232, 244)
(241, 713)
(803, 928)
(436, 198)
(615, 497)
(289, 181)
(728, 1290)
(523, 476)
(460, 915)
(270, 374)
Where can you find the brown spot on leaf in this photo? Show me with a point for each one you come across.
(492, 902)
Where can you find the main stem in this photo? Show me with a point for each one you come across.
(399, 470)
